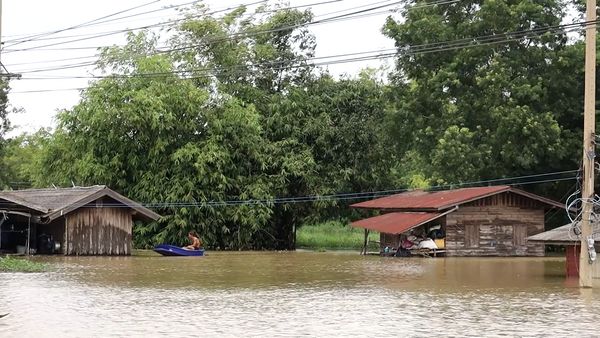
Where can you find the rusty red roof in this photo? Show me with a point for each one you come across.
(396, 222)
(440, 200)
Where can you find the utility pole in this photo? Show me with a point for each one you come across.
(589, 130)
(0, 33)
(4, 73)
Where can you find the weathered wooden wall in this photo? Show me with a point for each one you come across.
(495, 226)
(99, 231)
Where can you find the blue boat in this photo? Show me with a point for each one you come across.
(172, 250)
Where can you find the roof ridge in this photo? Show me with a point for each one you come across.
(465, 188)
(55, 189)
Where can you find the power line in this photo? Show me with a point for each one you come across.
(419, 49)
(351, 196)
(47, 90)
(100, 35)
(480, 41)
(99, 21)
(32, 37)
(53, 60)
(104, 34)
(84, 64)
(215, 38)
(172, 22)
(221, 38)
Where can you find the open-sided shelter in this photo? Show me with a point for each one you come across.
(73, 221)
(568, 236)
(482, 221)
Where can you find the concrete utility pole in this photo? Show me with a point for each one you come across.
(589, 130)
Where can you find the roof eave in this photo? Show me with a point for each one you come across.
(24, 203)
(141, 210)
(416, 224)
(538, 198)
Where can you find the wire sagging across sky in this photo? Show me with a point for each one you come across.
(442, 46)
(510, 181)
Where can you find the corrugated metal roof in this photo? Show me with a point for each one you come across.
(396, 222)
(440, 200)
(45, 200)
(57, 202)
(563, 234)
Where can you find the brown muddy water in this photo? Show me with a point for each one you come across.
(296, 294)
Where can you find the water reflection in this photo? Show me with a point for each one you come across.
(296, 294)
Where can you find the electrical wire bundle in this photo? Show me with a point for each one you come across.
(574, 209)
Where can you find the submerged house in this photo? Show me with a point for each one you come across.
(483, 221)
(71, 221)
(567, 236)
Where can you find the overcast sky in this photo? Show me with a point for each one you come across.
(23, 18)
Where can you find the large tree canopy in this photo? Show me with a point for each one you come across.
(234, 113)
(231, 131)
(486, 110)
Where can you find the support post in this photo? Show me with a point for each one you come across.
(2, 219)
(589, 127)
(366, 243)
(28, 236)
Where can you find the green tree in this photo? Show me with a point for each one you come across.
(4, 127)
(259, 58)
(164, 141)
(485, 111)
(22, 157)
(233, 112)
(325, 136)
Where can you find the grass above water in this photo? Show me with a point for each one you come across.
(333, 235)
(9, 264)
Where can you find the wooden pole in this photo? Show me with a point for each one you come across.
(364, 250)
(589, 127)
(2, 219)
(28, 235)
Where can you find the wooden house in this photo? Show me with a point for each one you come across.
(482, 221)
(566, 236)
(71, 221)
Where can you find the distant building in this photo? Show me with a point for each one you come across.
(483, 221)
(566, 236)
(71, 221)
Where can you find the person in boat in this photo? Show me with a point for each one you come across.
(196, 241)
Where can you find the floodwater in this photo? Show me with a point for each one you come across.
(296, 294)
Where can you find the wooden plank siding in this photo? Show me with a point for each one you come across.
(98, 231)
(501, 230)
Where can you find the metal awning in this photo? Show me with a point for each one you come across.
(397, 222)
(563, 235)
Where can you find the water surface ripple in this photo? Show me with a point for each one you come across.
(299, 294)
